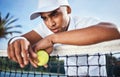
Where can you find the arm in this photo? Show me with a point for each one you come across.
(90, 35)
(86, 36)
(32, 37)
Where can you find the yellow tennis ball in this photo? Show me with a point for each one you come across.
(43, 57)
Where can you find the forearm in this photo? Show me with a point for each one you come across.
(86, 36)
(32, 37)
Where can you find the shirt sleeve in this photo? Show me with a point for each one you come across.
(86, 22)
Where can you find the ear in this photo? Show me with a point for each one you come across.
(68, 9)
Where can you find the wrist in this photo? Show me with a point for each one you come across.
(53, 38)
(16, 38)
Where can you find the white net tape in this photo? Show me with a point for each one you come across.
(103, 47)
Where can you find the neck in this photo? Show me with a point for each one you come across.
(68, 24)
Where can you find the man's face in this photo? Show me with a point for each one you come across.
(57, 20)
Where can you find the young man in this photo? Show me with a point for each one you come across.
(59, 26)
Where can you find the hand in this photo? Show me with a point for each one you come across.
(45, 44)
(20, 51)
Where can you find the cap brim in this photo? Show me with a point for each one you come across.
(41, 10)
(33, 16)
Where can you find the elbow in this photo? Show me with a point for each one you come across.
(111, 29)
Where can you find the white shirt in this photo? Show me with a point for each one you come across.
(78, 23)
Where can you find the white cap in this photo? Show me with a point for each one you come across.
(48, 5)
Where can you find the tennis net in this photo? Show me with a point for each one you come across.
(98, 60)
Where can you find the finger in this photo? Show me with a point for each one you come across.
(49, 50)
(33, 63)
(36, 47)
(11, 52)
(33, 57)
(32, 53)
(18, 53)
(45, 65)
(24, 52)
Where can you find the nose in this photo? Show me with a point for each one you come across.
(51, 22)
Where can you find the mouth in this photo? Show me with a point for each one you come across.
(55, 30)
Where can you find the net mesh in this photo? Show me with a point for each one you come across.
(70, 61)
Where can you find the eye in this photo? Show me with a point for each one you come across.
(55, 14)
(44, 18)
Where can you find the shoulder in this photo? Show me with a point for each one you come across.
(78, 19)
(81, 22)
